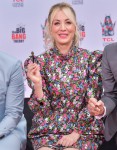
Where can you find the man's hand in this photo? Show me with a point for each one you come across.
(96, 108)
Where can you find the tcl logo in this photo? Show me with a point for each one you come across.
(108, 39)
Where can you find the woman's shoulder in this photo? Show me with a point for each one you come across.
(44, 56)
(40, 59)
(90, 52)
(97, 53)
(83, 52)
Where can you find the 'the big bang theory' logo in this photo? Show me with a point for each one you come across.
(19, 35)
(18, 3)
(108, 30)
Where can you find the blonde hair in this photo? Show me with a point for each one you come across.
(69, 11)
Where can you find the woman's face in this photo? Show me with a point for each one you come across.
(63, 30)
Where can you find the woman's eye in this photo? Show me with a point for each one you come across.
(68, 22)
(56, 23)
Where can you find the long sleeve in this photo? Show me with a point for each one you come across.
(14, 101)
(86, 123)
(110, 89)
(34, 103)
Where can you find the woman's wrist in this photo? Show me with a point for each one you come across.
(37, 85)
(38, 90)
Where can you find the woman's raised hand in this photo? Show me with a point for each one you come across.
(33, 72)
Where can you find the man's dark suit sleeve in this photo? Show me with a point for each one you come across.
(110, 91)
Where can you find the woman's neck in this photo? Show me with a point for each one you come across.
(64, 49)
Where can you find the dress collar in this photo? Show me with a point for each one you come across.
(62, 56)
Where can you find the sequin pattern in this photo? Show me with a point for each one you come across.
(68, 82)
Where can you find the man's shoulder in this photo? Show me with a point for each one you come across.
(7, 58)
(110, 52)
(111, 47)
(8, 62)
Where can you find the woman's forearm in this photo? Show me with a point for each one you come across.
(38, 90)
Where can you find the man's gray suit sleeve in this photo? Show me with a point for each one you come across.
(14, 100)
(110, 92)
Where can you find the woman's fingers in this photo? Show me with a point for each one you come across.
(68, 140)
(95, 107)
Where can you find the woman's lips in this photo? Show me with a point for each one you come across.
(63, 35)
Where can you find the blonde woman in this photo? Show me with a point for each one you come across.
(63, 78)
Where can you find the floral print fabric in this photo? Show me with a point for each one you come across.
(68, 82)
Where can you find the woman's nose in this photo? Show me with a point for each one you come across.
(63, 27)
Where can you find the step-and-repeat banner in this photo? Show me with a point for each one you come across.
(22, 24)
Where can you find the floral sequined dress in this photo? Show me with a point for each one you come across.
(68, 82)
